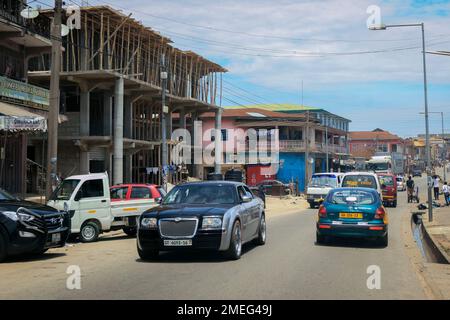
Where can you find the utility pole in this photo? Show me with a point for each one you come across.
(307, 150)
(52, 149)
(326, 145)
(444, 145)
(164, 154)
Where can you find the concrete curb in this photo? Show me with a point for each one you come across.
(433, 244)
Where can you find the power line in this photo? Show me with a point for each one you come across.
(250, 34)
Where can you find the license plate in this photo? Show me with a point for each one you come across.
(348, 215)
(178, 243)
(56, 237)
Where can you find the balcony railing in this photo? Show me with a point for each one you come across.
(39, 26)
(300, 146)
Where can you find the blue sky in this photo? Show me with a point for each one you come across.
(270, 47)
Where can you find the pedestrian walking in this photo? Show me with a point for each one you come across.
(436, 187)
(410, 188)
(446, 192)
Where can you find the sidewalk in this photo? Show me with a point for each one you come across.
(439, 230)
(439, 233)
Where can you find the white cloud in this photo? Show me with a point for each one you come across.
(332, 19)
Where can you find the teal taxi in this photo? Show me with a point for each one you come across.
(352, 212)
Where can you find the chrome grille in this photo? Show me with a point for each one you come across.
(178, 227)
(54, 222)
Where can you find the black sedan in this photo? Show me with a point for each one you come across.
(213, 215)
(28, 227)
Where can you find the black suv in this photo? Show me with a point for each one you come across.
(28, 227)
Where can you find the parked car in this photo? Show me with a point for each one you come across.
(210, 215)
(28, 227)
(320, 185)
(416, 173)
(388, 189)
(362, 180)
(401, 183)
(274, 187)
(135, 191)
(352, 212)
(91, 208)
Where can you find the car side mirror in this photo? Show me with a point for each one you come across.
(159, 200)
(246, 198)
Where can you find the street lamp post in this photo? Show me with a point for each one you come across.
(425, 86)
(443, 140)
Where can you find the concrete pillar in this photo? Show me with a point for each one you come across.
(107, 113)
(84, 112)
(196, 167)
(84, 129)
(128, 174)
(182, 119)
(118, 132)
(84, 160)
(218, 142)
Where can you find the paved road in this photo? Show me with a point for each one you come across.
(290, 266)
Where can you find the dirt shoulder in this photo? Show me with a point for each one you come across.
(276, 206)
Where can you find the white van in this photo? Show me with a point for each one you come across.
(87, 199)
(361, 180)
(320, 185)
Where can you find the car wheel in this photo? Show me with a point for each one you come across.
(89, 232)
(235, 250)
(3, 247)
(130, 231)
(384, 241)
(394, 204)
(261, 240)
(148, 254)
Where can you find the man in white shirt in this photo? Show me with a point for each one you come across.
(446, 192)
(436, 187)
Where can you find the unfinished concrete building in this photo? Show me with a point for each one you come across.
(111, 94)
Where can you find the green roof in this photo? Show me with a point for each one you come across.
(286, 108)
(279, 107)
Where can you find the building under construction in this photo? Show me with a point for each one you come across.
(111, 83)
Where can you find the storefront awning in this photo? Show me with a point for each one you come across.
(14, 118)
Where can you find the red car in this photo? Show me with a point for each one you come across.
(388, 184)
(133, 191)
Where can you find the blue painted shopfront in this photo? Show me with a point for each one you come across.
(292, 168)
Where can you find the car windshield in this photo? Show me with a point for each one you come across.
(323, 181)
(387, 180)
(6, 196)
(201, 194)
(363, 181)
(352, 196)
(65, 190)
(378, 166)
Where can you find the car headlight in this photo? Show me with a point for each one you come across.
(212, 223)
(149, 223)
(11, 215)
(25, 215)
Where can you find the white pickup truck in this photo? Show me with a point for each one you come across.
(88, 200)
